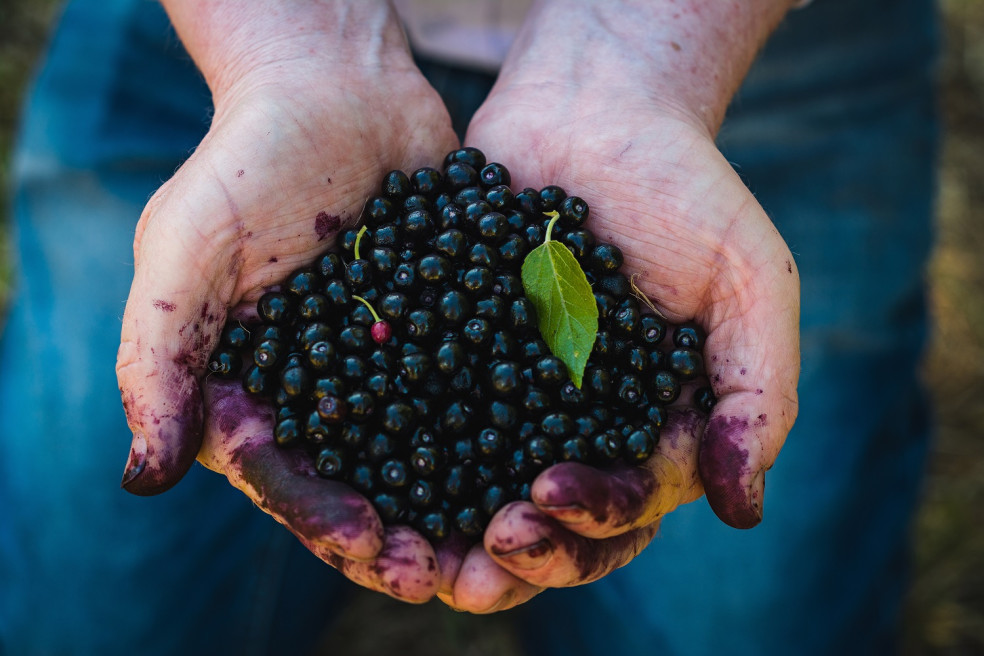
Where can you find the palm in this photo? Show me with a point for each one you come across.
(284, 169)
(658, 189)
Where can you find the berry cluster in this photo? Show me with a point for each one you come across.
(410, 364)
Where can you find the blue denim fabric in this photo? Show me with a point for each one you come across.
(835, 132)
(86, 568)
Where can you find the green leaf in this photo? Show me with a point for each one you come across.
(565, 306)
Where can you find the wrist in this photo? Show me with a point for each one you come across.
(686, 58)
(271, 41)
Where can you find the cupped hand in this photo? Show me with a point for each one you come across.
(704, 250)
(297, 144)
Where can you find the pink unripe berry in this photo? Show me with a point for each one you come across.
(381, 332)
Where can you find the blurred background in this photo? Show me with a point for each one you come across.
(945, 609)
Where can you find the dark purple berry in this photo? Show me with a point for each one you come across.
(467, 155)
(665, 387)
(638, 446)
(274, 307)
(396, 185)
(689, 335)
(494, 174)
(426, 181)
(704, 399)
(469, 521)
(331, 409)
(234, 335)
(225, 363)
(459, 175)
(330, 462)
(302, 283)
(573, 212)
(551, 197)
(686, 363)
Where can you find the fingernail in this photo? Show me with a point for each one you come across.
(137, 460)
(505, 601)
(571, 514)
(532, 556)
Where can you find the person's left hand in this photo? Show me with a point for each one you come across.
(705, 250)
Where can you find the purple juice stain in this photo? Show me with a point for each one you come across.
(723, 462)
(326, 224)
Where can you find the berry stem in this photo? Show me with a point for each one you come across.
(368, 305)
(554, 215)
(355, 250)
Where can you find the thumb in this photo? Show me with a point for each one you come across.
(173, 318)
(753, 364)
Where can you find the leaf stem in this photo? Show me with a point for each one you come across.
(367, 304)
(553, 219)
(358, 238)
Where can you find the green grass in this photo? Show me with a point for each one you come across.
(23, 29)
(945, 611)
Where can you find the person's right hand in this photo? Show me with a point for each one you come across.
(313, 105)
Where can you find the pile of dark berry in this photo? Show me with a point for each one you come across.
(409, 362)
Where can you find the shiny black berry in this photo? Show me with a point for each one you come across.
(274, 307)
(494, 174)
(234, 335)
(434, 269)
(396, 185)
(689, 335)
(470, 521)
(550, 372)
(225, 363)
(426, 181)
(686, 363)
(302, 282)
(451, 243)
(551, 197)
(420, 325)
(665, 387)
(573, 212)
(331, 462)
(704, 399)
(467, 155)
(477, 332)
(459, 175)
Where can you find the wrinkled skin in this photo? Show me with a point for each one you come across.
(289, 161)
(660, 190)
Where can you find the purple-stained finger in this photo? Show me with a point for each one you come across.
(171, 323)
(732, 467)
(450, 553)
(604, 503)
(405, 568)
(331, 519)
(158, 364)
(744, 434)
(752, 358)
(283, 482)
(596, 503)
(483, 587)
(541, 551)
